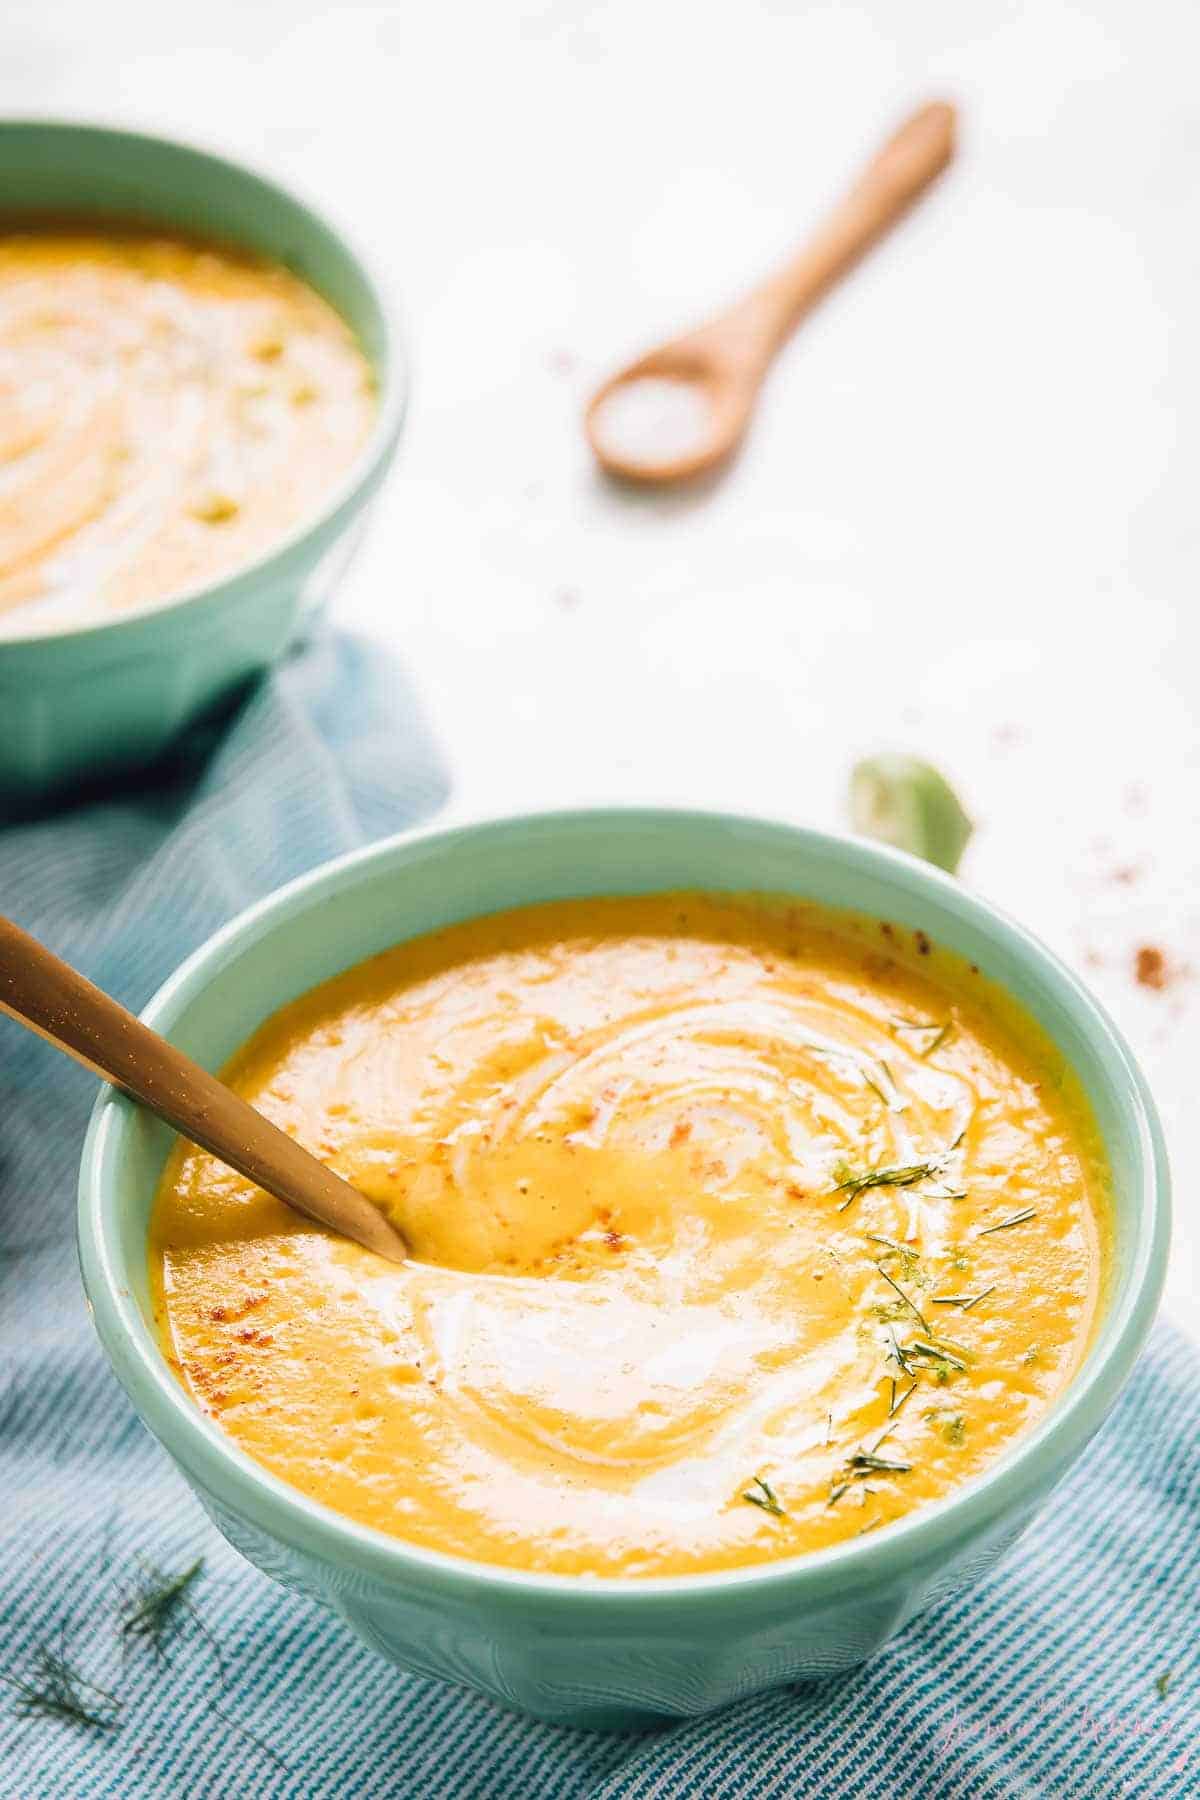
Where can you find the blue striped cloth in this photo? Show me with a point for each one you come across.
(1044, 1680)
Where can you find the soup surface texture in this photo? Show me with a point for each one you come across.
(170, 409)
(737, 1229)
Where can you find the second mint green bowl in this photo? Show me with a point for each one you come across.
(79, 704)
(606, 1652)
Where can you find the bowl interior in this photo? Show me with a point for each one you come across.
(366, 902)
(50, 167)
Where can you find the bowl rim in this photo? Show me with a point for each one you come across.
(368, 466)
(282, 1512)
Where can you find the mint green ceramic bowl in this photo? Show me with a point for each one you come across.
(78, 704)
(607, 1652)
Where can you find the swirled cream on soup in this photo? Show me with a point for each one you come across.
(737, 1229)
(168, 410)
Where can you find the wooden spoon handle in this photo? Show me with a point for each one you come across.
(898, 175)
(39, 990)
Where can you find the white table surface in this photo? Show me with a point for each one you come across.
(966, 522)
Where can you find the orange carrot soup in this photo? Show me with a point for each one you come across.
(737, 1228)
(171, 410)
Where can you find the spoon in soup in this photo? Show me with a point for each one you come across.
(680, 410)
(55, 1000)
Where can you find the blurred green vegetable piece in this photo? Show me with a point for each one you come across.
(908, 803)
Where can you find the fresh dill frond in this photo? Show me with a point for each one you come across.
(156, 1613)
(1017, 1218)
(917, 1314)
(877, 1091)
(934, 1353)
(252, 1737)
(901, 1176)
(865, 1462)
(931, 1035)
(895, 1406)
(887, 1090)
(862, 1463)
(765, 1498)
(966, 1301)
(884, 1089)
(898, 1351)
(56, 1690)
(888, 1243)
(900, 1104)
(909, 1260)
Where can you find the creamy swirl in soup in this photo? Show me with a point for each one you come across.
(169, 409)
(737, 1229)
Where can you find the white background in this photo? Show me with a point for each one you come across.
(966, 522)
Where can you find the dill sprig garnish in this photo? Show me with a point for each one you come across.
(155, 1616)
(156, 1612)
(55, 1690)
(898, 1351)
(861, 1463)
(1017, 1218)
(935, 1035)
(902, 1175)
(765, 1498)
(886, 1091)
(934, 1353)
(966, 1301)
(896, 1249)
(889, 1094)
(858, 1465)
(877, 1091)
(916, 1312)
(895, 1405)
(865, 1462)
(252, 1737)
(908, 1257)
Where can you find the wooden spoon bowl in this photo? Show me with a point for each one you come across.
(722, 364)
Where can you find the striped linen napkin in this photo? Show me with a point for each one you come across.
(1071, 1670)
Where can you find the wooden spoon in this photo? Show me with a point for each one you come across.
(683, 408)
(56, 1001)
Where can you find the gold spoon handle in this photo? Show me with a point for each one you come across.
(53, 999)
(897, 176)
